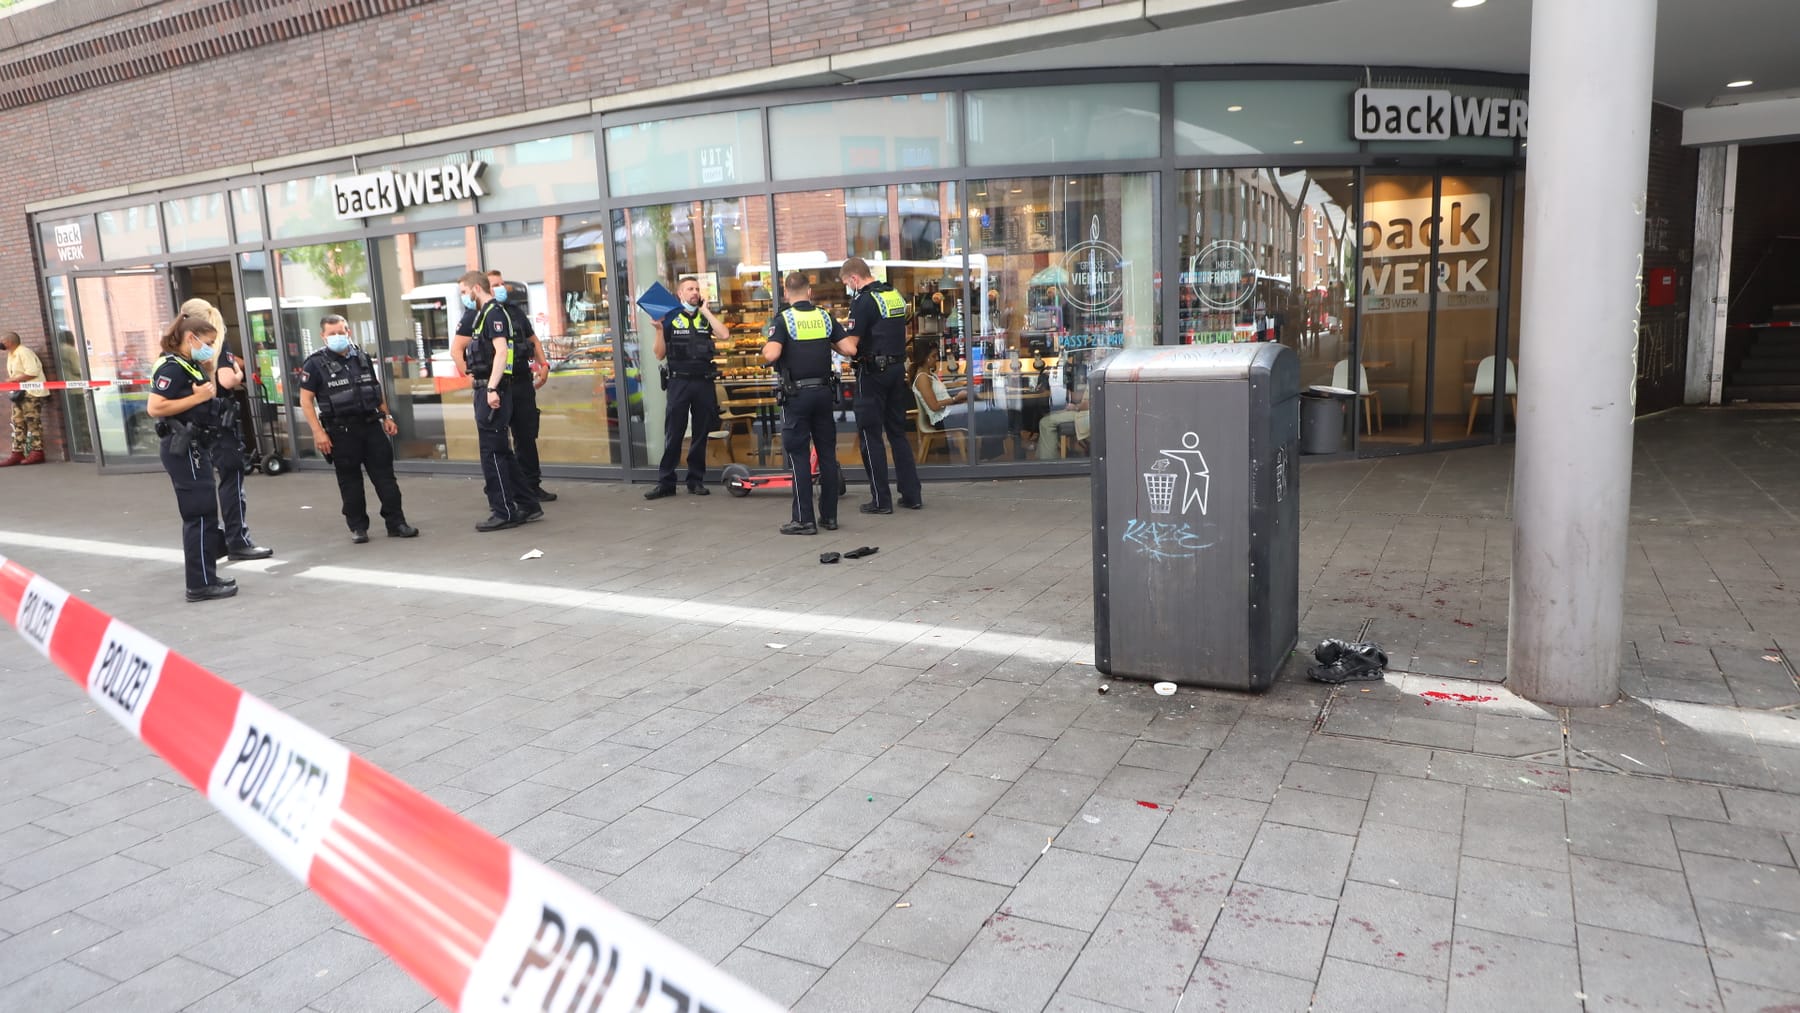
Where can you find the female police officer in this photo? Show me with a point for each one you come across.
(181, 400)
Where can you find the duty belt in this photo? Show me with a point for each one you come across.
(684, 374)
(884, 362)
(345, 422)
(809, 382)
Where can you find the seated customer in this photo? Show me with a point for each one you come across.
(936, 402)
(1075, 381)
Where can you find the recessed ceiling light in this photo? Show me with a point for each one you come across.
(1299, 142)
(1740, 84)
(1234, 109)
(1467, 3)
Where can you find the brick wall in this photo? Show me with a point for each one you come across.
(108, 92)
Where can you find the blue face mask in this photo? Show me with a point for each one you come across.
(468, 301)
(203, 354)
(692, 307)
(339, 343)
(500, 294)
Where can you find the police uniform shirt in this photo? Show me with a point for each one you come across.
(315, 376)
(878, 319)
(175, 378)
(492, 320)
(802, 357)
(689, 340)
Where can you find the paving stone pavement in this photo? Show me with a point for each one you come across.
(890, 783)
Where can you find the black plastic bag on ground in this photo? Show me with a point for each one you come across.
(1340, 662)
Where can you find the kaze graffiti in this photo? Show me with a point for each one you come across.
(1177, 486)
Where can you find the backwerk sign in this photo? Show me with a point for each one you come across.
(1405, 114)
(387, 192)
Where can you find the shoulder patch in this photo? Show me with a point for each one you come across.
(499, 326)
(162, 383)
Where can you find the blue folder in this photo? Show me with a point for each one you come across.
(658, 301)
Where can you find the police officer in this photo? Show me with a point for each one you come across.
(878, 323)
(685, 345)
(490, 362)
(799, 347)
(227, 442)
(341, 400)
(530, 369)
(182, 401)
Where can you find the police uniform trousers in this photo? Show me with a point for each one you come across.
(881, 401)
(524, 426)
(507, 494)
(197, 500)
(806, 424)
(692, 402)
(227, 452)
(358, 445)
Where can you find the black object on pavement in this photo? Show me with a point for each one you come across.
(1341, 661)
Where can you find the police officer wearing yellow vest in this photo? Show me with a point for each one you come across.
(878, 323)
(182, 403)
(489, 359)
(685, 345)
(341, 400)
(799, 347)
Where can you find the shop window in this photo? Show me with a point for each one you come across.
(895, 133)
(1061, 274)
(725, 245)
(246, 214)
(130, 232)
(691, 153)
(316, 281)
(303, 207)
(543, 173)
(1280, 275)
(1063, 123)
(1263, 117)
(421, 308)
(197, 223)
(583, 398)
(69, 366)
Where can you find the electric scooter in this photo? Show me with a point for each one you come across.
(740, 481)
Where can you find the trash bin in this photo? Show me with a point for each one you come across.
(1325, 419)
(1196, 513)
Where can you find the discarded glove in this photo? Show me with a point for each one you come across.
(829, 557)
(859, 553)
(1341, 662)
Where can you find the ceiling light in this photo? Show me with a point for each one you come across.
(1299, 142)
(1740, 84)
(1467, 3)
(1234, 109)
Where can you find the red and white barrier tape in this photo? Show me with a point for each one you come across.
(69, 384)
(480, 925)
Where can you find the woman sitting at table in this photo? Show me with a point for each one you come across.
(987, 422)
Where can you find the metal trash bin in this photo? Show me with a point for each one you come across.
(1196, 513)
(1325, 419)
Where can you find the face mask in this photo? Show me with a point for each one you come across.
(692, 307)
(500, 294)
(203, 354)
(338, 343)
(851, 290)
(468, 301)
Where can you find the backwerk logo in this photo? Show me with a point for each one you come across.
(1405, 114)
(386, 192)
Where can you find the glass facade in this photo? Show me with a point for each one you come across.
(1033, 229)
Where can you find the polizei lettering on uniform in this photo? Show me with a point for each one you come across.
(386, 193)
(1407, 114)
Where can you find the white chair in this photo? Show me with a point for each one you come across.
(1484, 387)
(1371, 399)
(928, 433)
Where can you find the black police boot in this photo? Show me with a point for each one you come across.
(359, 536)
(797, 528)
(401, 530)
(698, 489)
(543, 497)
(211, 592)
(244, 552)
(830, 525)
(495, 522)
(913, 506)
(534, 515)
(870, 508)
(660, 492)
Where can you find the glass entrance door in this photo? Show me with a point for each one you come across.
(122, 317)
(1429, 308)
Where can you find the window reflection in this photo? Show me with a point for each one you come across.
(316, 281)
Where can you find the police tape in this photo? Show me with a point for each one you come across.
(480, 925)
(38, 385)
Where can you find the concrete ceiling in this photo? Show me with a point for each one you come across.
(1701, 44)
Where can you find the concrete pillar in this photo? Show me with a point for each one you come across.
(1712, 270)
(1584, 236)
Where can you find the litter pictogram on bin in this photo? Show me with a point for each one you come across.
(1159, 485)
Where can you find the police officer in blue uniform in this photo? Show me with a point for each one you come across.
(183, 403)
(686, 346)
(226, 446)
(799, 347)
(490, 362)
(530, 369)
(878, 323)
(341, 400)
